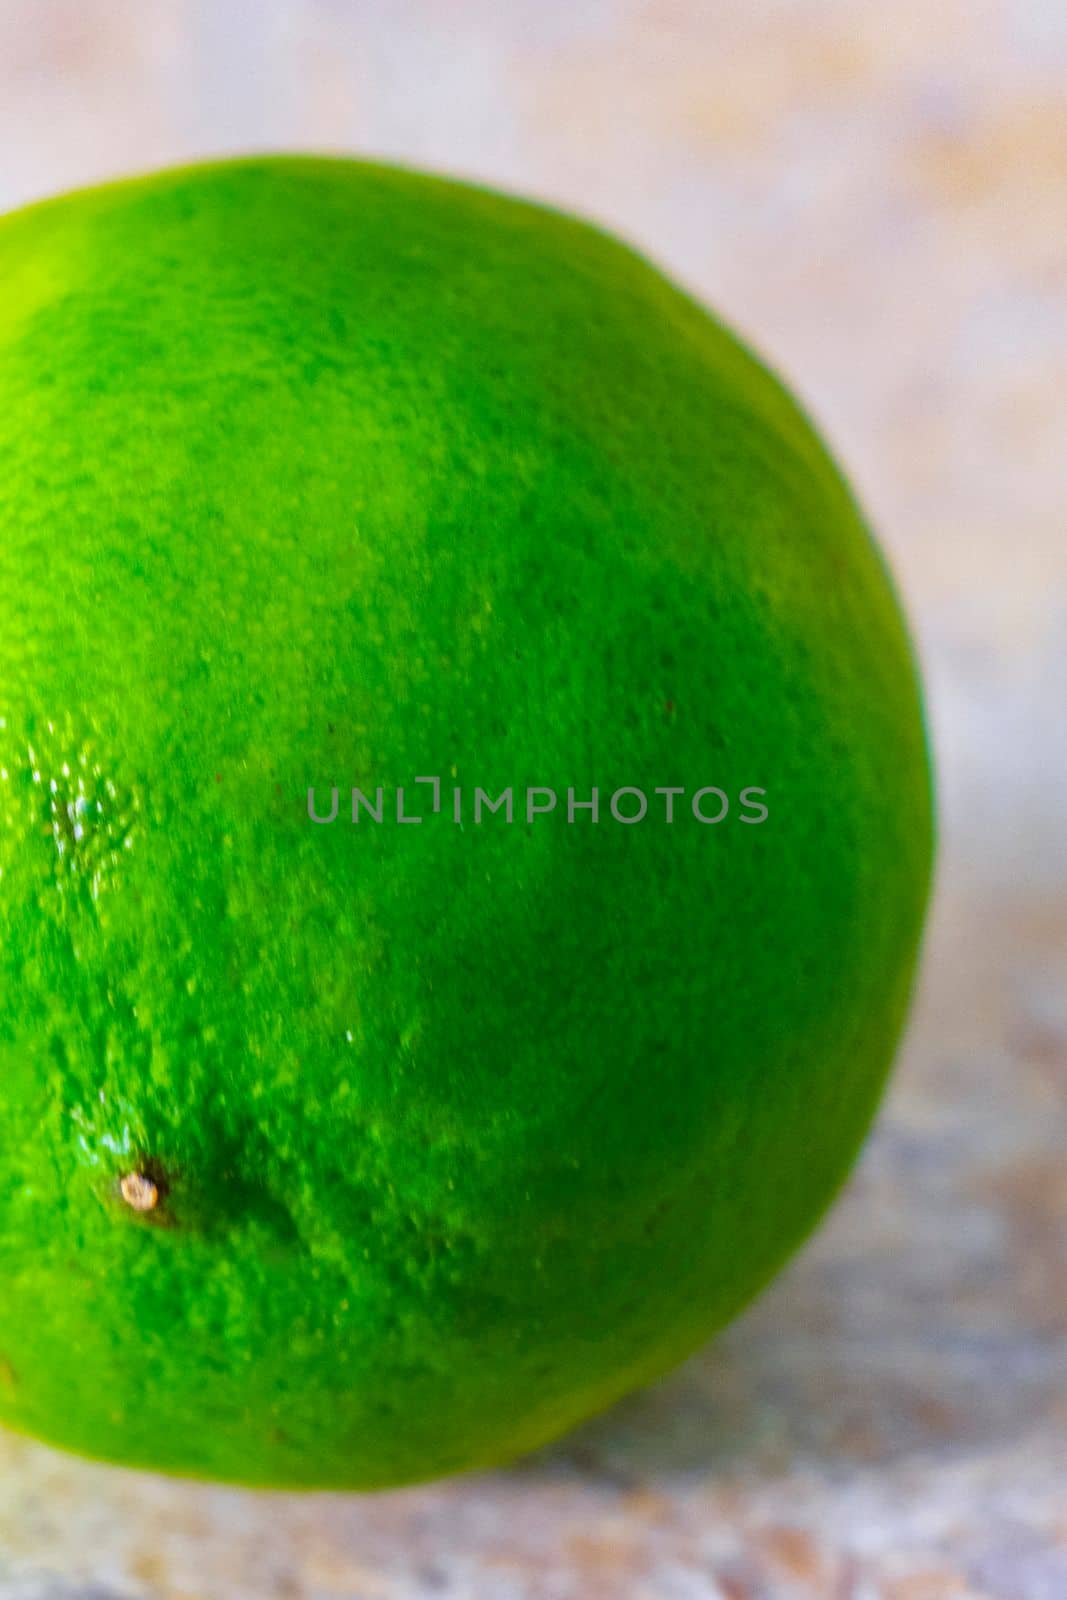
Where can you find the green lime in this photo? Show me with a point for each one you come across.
(349, 1152)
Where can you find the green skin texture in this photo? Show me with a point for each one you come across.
(317, 472)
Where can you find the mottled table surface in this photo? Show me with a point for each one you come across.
(877, 195)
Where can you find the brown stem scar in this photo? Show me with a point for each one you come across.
(139, 1192)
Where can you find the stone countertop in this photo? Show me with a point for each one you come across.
(877, 197)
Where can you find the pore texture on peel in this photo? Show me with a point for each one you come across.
(351, 1155)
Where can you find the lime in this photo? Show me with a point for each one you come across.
(465, 823)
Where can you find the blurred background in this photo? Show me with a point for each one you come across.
(877, 197)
